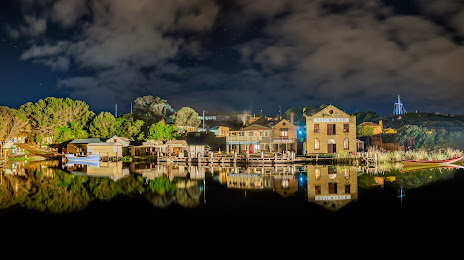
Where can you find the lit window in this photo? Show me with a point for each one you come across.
(317, 144)
(283, 132)
(316, 128)
(346, 144)
(346, 128)
(317, 171)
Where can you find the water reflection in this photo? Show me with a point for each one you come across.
(332, 187)
(49, 186)
(112, 170)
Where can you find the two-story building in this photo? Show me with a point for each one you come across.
(257, 138)
(329, 130)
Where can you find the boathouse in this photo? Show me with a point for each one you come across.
(95, 145)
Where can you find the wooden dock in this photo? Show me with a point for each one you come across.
(247, 159)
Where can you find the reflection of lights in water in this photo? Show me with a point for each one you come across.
(401, 194)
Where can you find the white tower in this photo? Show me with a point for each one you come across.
(398, 108)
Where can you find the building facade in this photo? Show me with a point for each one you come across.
(330, 130)
(257, 138)
(95, 145)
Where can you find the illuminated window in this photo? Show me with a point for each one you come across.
(317, 171)
(284, 132)
(346, 128)
(317, 144)
(316, 128)
(346, 144)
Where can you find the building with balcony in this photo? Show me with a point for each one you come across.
(258, 138)
(329, 130)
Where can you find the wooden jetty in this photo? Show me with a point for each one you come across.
(248, 159)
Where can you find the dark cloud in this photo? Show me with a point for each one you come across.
(356, 54)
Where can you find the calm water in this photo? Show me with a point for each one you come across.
(321, 210)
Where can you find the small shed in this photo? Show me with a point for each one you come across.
(95, 145)
(124, 141)
(11, 149)
(148, 148)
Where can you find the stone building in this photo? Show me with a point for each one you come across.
(329, 130)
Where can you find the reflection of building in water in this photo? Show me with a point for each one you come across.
(279, 179)
(111, 170)
(151, 171)
(331, 186)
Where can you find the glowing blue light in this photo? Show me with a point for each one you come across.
(300, 132)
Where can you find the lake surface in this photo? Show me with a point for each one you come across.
(324, 210)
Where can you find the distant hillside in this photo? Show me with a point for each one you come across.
(427, 120)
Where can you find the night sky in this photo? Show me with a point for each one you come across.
(236, 55)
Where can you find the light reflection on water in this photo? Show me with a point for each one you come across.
(48, 186)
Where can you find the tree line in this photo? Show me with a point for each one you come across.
(64, 119)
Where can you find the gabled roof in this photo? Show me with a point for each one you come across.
(312, 111)
(86, 141)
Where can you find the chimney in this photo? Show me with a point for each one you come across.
(291, 118)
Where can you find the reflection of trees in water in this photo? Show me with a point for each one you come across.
(61, 192)
(54, 190)
(183, 192)
(189, 197)
(420, 178)
(409, 180)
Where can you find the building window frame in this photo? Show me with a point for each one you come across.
(346, 128)
(332, 129)
(316, 128)
(317, 144)
(346, 143)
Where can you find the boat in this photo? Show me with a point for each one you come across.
(83, 158)
(430, 163)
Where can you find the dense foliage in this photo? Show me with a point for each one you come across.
(57, 120)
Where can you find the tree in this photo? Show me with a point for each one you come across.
(412, 136)
(127, 126)
(366, 116)
(74, 130)
(364, 130)
(47, 115)
(161, 131)
(103, 125)
(11, 123)
(148, 107)
(298, 117)
(186, 116)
